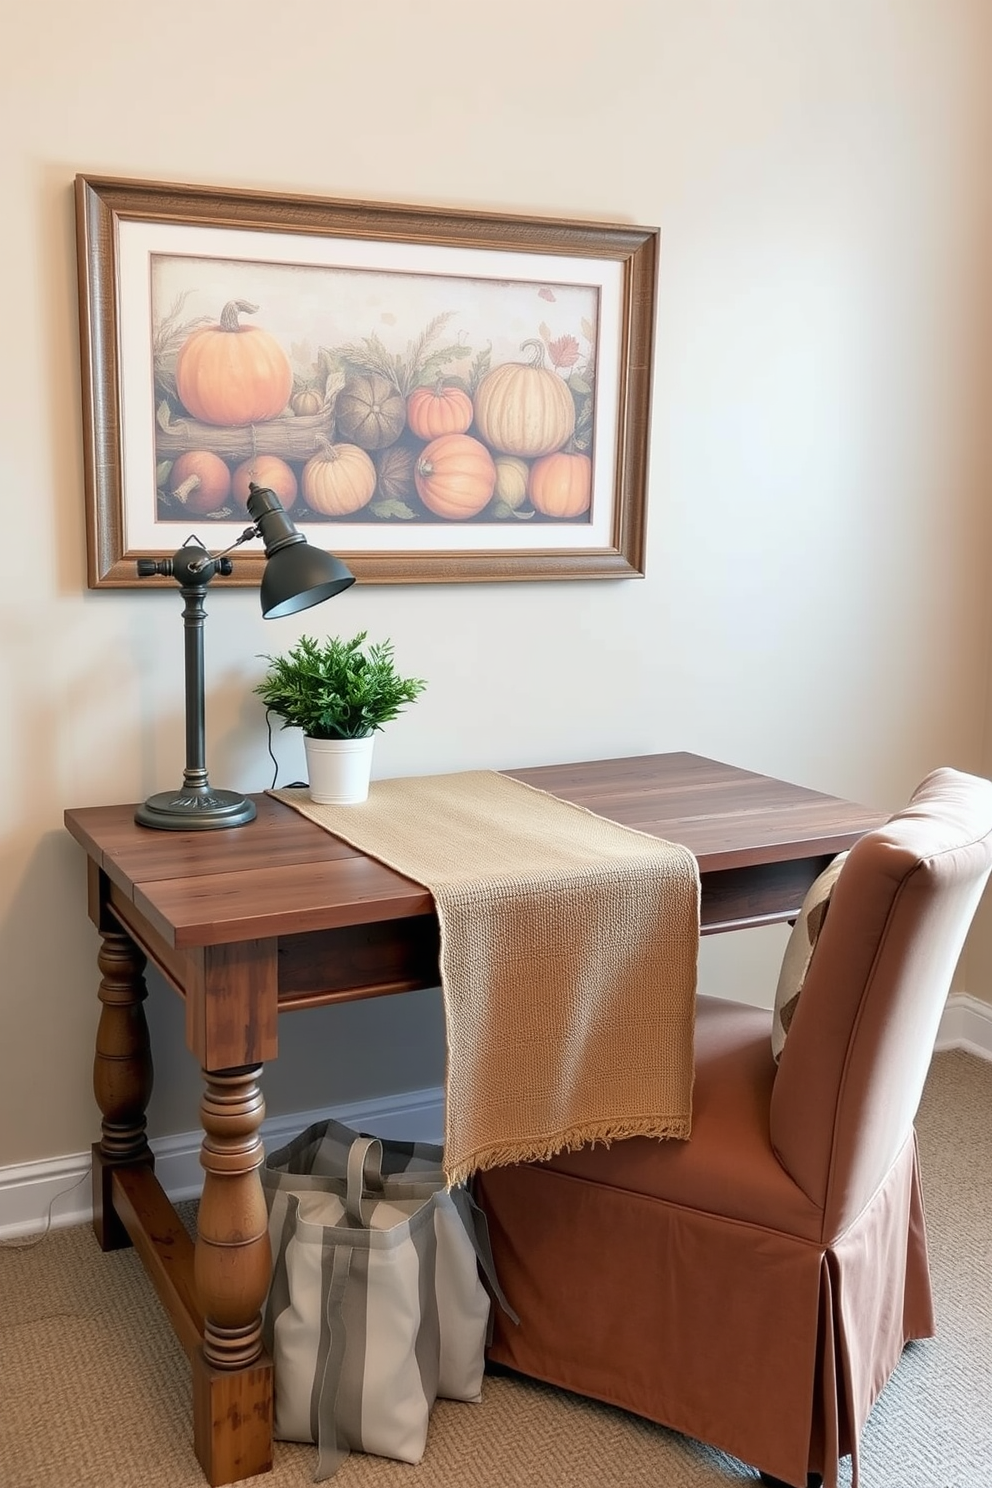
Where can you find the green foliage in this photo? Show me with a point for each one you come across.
(420, 366)
(337, 689)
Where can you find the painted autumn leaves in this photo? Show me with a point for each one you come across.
(371, 435)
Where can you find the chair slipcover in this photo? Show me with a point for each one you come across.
(754, 1286)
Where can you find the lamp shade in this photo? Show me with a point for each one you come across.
(296, 575)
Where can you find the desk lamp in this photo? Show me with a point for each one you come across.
(295, 577)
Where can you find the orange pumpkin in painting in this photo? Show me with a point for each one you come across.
(455, 477)
(338, 480)
(268, 471)
(200, 481)
(231, 374)
(433, 411)
(560, 485)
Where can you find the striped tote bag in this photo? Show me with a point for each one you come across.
(376, 1304)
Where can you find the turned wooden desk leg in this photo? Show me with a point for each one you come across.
(232, 1377)
(122, 1078)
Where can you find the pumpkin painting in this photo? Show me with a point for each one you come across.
(370, 411)
(200, 482)
(388, 405)
(524, 409)
(560, 485)
(338, 480)
(231, 374)
(267, 471)
(511, 480)
(455, 476)
(442, 409)
(306, 402)
(394, 470)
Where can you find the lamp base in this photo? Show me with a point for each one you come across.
(196, 809)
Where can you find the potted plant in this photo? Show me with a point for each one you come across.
(339, 693)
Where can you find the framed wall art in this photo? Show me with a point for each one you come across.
(436, 396)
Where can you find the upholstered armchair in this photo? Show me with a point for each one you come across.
(754, 1286)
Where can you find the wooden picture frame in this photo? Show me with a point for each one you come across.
(541, 331)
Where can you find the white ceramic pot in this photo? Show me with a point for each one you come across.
(339, 770)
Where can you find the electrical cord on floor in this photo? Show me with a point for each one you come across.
(30, 1241)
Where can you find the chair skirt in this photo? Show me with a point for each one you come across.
(769, 1345)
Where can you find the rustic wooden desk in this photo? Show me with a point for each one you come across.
(251, 922)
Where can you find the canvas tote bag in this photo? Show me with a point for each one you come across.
(376, 1305)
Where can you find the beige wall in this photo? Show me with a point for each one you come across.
(816, 604)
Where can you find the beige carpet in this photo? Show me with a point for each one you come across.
(95, 1393)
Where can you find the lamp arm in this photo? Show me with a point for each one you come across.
(271, 524)
(246, 536)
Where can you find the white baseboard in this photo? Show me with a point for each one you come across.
(61, 1184)
(59, 1187)
(966, 1024)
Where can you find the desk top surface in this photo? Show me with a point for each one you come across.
(282, 874)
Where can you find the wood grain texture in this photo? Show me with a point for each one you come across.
(232, 1420)
(727, 817)
(283, 875)
(280, 914)
(165, 1248)
(232, 1003)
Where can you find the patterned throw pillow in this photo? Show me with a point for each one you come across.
(799, 952)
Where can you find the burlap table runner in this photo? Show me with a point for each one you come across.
(568, 961)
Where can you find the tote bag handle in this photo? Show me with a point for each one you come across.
(364, 1174)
